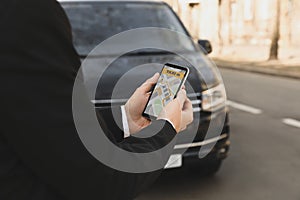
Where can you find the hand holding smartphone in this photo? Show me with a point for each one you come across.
(172, 78)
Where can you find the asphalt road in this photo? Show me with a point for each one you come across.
(264, 161)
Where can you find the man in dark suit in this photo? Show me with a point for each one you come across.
(41, 155)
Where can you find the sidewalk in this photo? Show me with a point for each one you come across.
(255, 61)
(275, 68)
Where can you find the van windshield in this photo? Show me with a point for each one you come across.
(93, 22)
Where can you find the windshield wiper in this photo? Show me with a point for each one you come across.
(135, 53)
(82, 56)
(142, 53)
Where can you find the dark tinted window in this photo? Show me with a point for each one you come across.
(93, 22)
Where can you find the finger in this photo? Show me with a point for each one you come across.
(181, 97)
(188, 111)
(187, 105)
(183, 87)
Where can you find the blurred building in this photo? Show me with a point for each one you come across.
(227, 22)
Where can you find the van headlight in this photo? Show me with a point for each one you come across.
(214, 98)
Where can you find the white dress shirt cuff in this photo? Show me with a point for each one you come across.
(125, 122)
(126, 126)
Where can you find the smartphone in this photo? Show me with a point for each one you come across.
(172, 78)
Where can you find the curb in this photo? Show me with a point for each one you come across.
(259, 70)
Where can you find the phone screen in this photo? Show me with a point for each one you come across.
(172, 77)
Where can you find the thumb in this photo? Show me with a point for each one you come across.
(153, 79)
(181, 97)
(146, 86)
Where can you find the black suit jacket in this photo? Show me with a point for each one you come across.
(41, 155)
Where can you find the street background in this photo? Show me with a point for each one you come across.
(257, 48)
(244, 32)
(263, 162)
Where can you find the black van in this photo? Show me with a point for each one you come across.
(94, 21)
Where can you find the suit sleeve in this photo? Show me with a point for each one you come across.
(110, 120)
(37, 74)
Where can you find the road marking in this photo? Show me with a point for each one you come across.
(244, 108)
(291, 122)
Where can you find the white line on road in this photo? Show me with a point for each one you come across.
(244, 108)
(291, 122)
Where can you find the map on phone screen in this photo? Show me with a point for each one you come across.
(165, 90)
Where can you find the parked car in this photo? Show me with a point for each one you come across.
(95, 21)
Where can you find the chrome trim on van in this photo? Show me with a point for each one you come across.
(105, 101)
(196, 102)
(203, 143)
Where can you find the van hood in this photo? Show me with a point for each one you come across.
(125, 73)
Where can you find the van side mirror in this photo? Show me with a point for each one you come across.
(205, 45)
